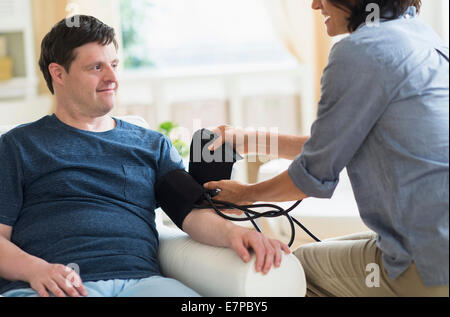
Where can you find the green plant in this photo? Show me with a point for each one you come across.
(166, 128)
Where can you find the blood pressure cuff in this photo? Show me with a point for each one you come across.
(177, 192)
(206, 166)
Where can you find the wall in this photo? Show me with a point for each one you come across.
(435, 13)
(48, 12)
(23, 111)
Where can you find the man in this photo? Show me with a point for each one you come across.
(77, 187)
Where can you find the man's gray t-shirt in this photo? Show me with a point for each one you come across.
(86, 198)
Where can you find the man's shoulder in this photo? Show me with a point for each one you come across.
(139, 132)
(138, 127)
(25, 129)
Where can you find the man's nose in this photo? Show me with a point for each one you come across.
(316, 4)
(110, 74)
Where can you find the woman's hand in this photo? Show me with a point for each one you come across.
(235, 136)
(277, 189)
(233, 192)
(58, 279)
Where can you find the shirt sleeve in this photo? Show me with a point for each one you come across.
(11, 185)
(353, 99)
(169, 158)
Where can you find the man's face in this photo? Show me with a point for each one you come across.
(336, 19)
(91, 82)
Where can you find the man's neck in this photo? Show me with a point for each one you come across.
(87, 123)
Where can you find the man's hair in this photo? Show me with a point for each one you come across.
(389, 9)
(59, 44)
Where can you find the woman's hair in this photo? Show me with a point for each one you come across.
(59, 44)
(389, 9)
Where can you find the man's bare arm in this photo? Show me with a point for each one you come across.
(205, 226)
(17, 265)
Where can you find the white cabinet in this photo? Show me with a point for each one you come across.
(16, 27)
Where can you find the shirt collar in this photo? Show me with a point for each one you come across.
(410, 12)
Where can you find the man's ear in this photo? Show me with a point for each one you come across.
(57, 72)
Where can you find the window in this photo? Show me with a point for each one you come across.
(162, 34)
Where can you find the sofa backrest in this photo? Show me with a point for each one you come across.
(6, 128)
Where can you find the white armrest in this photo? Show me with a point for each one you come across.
(6, 128)
(219, 272)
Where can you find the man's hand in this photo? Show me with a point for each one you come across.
(58, 279)
(267, 251)
(205, 226)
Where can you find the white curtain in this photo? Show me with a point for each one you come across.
(303, 32)
(294, 22)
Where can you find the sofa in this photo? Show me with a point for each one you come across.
(215, 271)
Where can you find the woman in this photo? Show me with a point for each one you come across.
(383, 115)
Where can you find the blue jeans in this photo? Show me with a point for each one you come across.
(154, 286)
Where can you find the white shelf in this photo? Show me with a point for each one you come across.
(11, 15)
(16, 25)
(18, 88)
